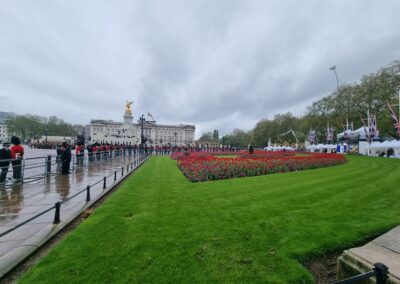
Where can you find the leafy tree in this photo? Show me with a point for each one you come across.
(25, 127)
(353, 101)
(277, 130)
(238, 138)
(205, 137)
(215, 135)
(31, 127)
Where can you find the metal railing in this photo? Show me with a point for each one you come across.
(32, 169)
(57, 206)
(380, 271)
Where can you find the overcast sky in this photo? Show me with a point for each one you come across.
(215, 64)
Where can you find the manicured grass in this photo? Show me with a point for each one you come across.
(226, 156)
(160, 228)
(301, 155)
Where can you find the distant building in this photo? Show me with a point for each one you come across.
(127, 132)
(87, 132)
(4, 116)
(3, 133)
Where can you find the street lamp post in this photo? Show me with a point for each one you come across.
(333, 68)
(46, 132)
(175, 134)
(142, 120)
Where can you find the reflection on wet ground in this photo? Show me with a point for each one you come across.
(34, 165)
(10, 202)
(62, 186)
(18, 201)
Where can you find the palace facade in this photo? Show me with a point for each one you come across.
(108, 131)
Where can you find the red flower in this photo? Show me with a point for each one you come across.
(210, 166)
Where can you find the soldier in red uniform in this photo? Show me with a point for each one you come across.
(17, 154)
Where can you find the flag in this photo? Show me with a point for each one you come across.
(373, 127)
(329, 135)
(394, 117)
(370, 127)
(365, 129)
(312, 137)
(149, 115)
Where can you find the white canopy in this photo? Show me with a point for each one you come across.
(321, 146)
(279, 148)
(385, 144)
(360, 132)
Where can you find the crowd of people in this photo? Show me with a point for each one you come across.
(42, 145)
(95, 151)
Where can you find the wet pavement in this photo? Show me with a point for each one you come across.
(20, 202)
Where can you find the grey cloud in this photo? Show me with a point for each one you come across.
(217, 64)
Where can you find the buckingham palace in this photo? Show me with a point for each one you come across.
(108, 131)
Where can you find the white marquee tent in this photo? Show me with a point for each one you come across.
(376, 148)
(357, 134)
(279, 148)
(321, 147)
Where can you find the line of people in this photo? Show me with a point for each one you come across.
(13, 154)
(96, 151)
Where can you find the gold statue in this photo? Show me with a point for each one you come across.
(128, 108)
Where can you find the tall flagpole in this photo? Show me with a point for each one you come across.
(369, 128)
(369, 133)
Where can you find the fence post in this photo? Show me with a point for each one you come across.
(48, 165)
(88, 193)
(22, 169)
(57, 213)
(58, 163)
(127, 168)
(122, 171)
(73, 162)
(381, 273)
(104, 182)
(115, 175)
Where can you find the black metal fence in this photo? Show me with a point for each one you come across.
(380, 271)
(32, 169)
(57, 206)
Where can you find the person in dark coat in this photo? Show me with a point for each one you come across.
(65, 156)
(5, 156)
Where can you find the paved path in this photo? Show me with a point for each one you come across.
(384, 249)
(19, 202)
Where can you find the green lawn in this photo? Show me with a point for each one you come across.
(230, 156)
(160, 228)
(301, 155)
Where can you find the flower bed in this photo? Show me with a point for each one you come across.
(202, 166)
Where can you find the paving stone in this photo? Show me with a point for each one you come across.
(19, 202)
(384, 249)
